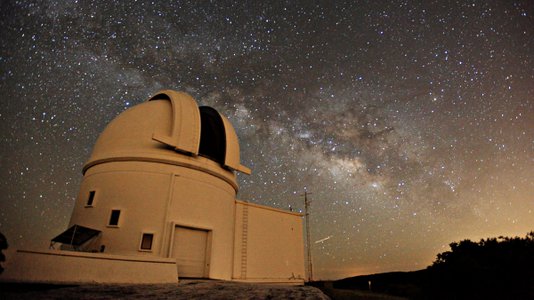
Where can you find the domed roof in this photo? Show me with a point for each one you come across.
(167, 127)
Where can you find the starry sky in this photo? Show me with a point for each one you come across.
(411, 123)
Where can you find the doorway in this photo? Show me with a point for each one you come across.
(190, 250)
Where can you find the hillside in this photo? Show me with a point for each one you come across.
(493, 268)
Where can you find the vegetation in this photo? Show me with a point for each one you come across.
(3, 246)
(494, 268)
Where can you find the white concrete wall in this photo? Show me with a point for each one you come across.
(139, 190)
(202, 201)
(275, 245)
(154, 197)
(81, 267)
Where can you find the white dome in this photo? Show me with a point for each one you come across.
(169, 128)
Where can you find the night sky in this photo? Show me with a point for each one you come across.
(410, 122)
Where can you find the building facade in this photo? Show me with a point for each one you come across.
(161, 184)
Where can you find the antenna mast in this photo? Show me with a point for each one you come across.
(307, 214)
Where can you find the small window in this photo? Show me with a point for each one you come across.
(91, 198)
(114, 218)
(146, 241)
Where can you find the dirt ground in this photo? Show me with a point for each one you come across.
(185, 289)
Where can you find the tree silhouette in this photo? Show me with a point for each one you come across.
(3, 246)
(491, 269)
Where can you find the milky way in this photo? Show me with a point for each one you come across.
(410, 122)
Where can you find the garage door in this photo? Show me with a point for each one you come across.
(190, 252)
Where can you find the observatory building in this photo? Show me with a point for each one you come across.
(158, 202)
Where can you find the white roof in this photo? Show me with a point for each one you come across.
(168, 121)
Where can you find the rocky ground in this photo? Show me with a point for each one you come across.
(185, 289)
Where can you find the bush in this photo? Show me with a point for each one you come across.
(491, 269)
(3, 246)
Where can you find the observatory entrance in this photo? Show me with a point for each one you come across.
(190, 250)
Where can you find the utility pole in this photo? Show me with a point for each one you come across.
(307, 214)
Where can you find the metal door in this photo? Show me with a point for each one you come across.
(190, 252)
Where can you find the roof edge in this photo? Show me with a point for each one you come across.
(227, 179)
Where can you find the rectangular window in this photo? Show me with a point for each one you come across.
(114, 218)
(91, 198)
(146, 241)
